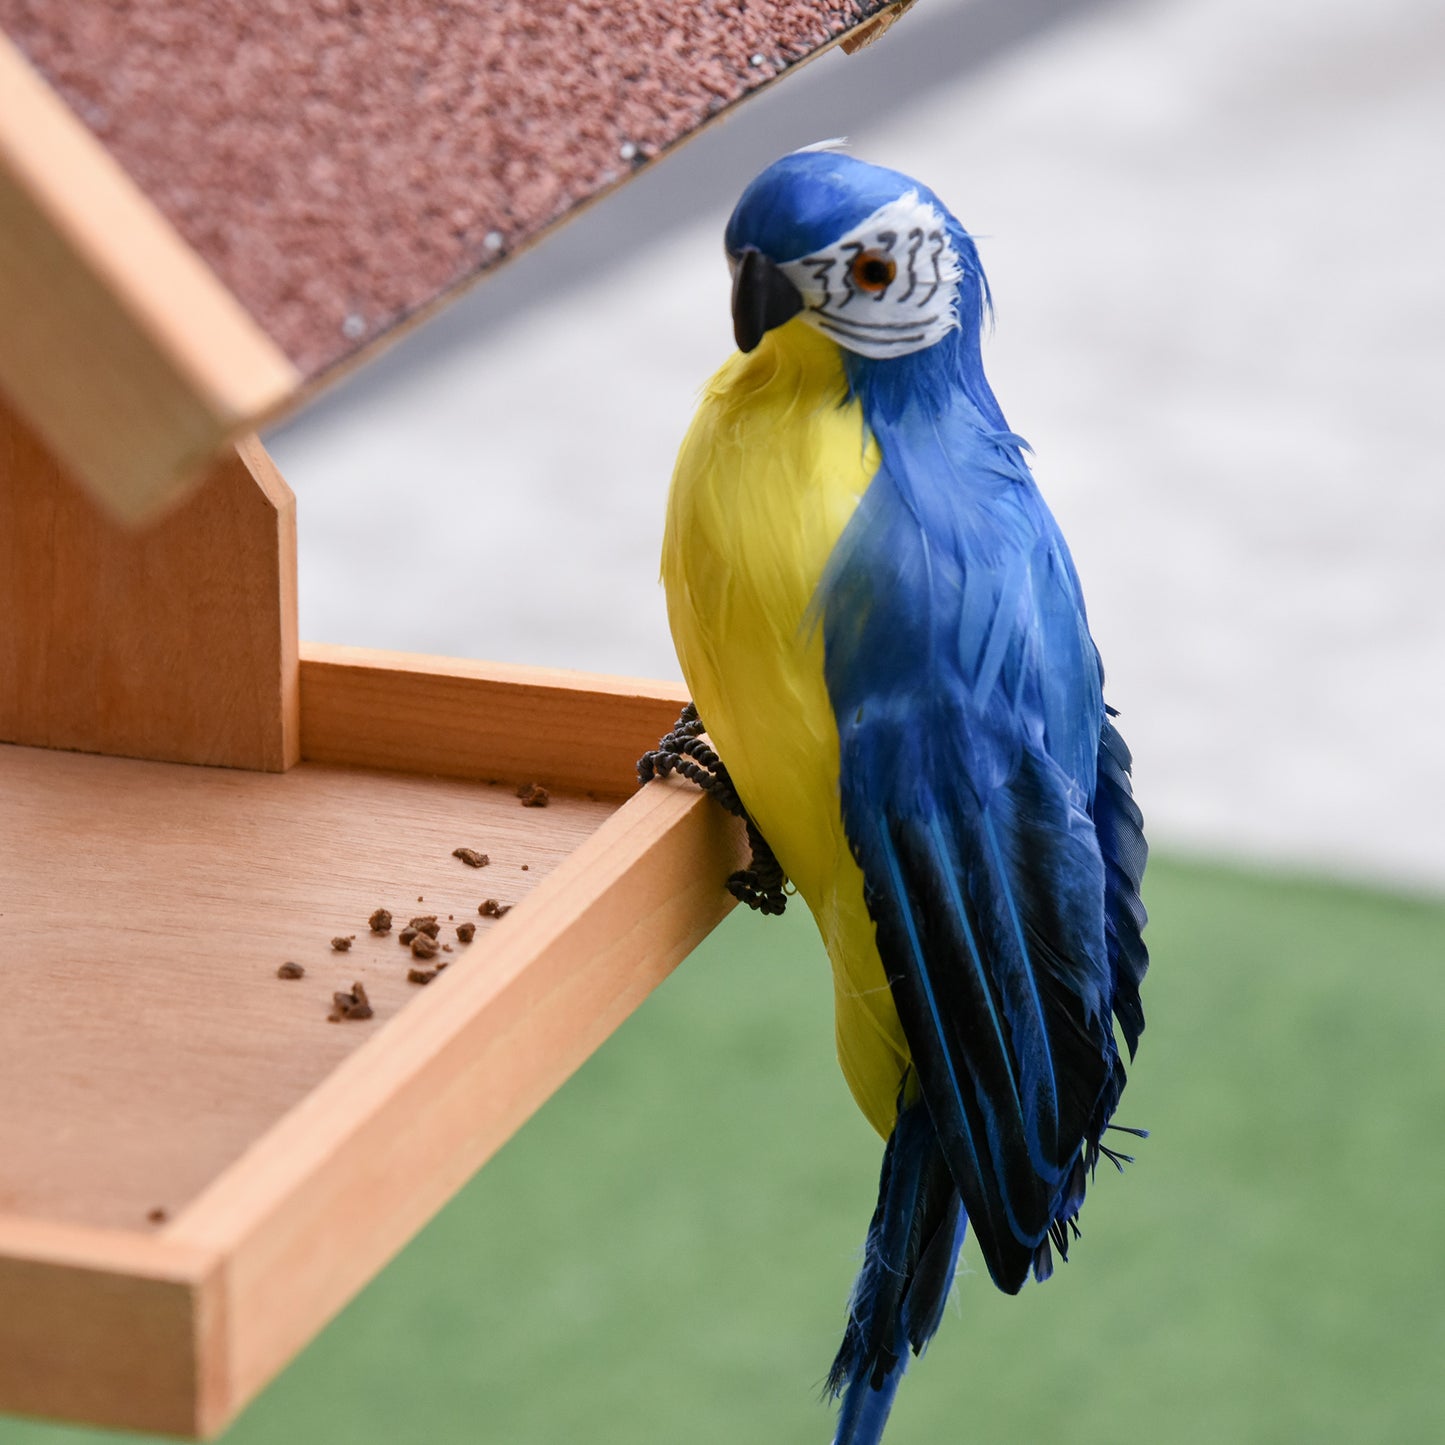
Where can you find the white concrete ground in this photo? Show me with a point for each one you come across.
(1216, 235)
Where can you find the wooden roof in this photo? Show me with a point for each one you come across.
(340, 164)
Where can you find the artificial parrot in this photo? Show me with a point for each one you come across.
(884, 637)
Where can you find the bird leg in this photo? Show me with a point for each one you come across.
(685, 751)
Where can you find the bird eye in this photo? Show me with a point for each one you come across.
(873, 272)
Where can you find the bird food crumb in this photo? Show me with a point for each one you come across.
(342, 944)
(471, 857)
(406, 935)
(427, 924)
(353, 1005)
(157, 1215)
(490, 908)
(466, 932)
(380, 921)
(420, 975)
(533, 795)
(290, 970)
(423, 946)
(525, 867)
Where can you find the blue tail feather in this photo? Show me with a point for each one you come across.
(908, 1264)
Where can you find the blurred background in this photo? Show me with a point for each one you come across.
(1214, 232)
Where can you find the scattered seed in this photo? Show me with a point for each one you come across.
(420, 975)
(466, 932)
(471, 857)
(341, 944)
(380, 921)
(423, 946)
(290, 970)
(490, 908)
(353, 1005)
(533, 795)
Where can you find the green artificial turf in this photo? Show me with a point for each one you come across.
(664, 1253)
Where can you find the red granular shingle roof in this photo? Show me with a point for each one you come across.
(341, 163)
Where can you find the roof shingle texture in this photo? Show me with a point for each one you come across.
(342, 163)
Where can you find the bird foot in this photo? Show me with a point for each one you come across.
(684, 751)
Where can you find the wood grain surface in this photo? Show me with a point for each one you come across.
(446, 715)
(102, 1325)
(348, 1176)
(177, 642)
(145, 1040)
(199, 1165)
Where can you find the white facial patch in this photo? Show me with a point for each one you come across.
(886, 288)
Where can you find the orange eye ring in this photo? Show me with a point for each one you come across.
(873, 272)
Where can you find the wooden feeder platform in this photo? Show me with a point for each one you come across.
(197, 1167)
(206, 215)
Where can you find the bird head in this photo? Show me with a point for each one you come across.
(866, 255)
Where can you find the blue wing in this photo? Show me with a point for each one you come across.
(985, 796)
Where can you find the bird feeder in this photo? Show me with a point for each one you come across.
(207, 213)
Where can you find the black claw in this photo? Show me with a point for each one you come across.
(683, 751)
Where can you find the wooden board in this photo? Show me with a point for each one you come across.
(152, 1060)
(480, 720)
(177, 642)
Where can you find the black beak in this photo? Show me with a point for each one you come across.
(762, 298)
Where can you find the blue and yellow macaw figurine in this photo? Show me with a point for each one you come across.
(883, 632)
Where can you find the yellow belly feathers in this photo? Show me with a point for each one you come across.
(767, 478)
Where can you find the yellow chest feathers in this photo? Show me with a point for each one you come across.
(771, 470)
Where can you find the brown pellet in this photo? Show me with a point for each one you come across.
(380, 921)
(353, 1005)
(157, 1215)
(466, 932)
(290, 970)
(471, 857)
(341, 945)
(406, 935)
(420, 975)
(533, 795)
(427, 924)
(423, 946)
(490, 908)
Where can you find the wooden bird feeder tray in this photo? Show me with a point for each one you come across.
(205, 213)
